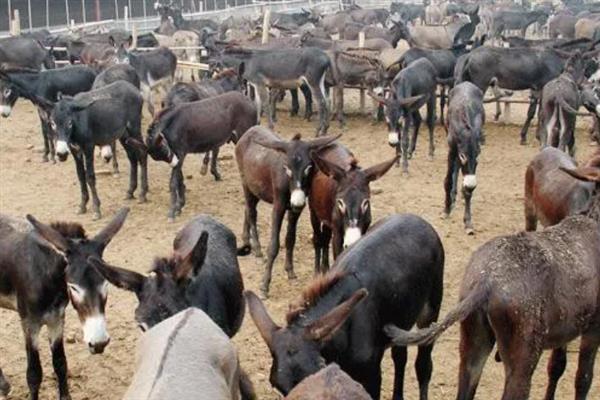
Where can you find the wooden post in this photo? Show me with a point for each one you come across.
(266, 26)
(47, 14)
(67, 11)
(83, 12)
(126, 17)
(507, 112)
(361, 44)
(29, 15)
(16, 31)
(134, 35)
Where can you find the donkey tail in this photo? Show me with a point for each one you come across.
(566, 106)
(246, 387)
(244, 250)
(474, 299)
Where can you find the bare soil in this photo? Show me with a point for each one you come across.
(51, 192)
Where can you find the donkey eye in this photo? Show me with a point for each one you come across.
(143, 326)
(365, 205)
(7, 92)
(307, 170)
(53, 125)
(288, 171)
(77, 292)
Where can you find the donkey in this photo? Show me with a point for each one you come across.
(529, 292)
(203, 272)
(329, 383)
(559, 104)
(341, 315)
(339, 201)
(42, 267)
(46, 85)
(186, 356)
(197, 127)
(23, 52)
(550, 195)
(464, 125)
(98, 118)
(413, 87)
(288, 69)
(278, 172)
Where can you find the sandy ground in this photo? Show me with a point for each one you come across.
(51, 192)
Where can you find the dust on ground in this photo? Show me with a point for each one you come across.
(51, 192)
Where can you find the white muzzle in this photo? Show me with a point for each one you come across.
(393, 138)
(94, 331)
(470, 181)
(598, 110)
(106, 153)
(62, 148)
(174, 161)
(298, 198)
(351, 236)
(5, 110)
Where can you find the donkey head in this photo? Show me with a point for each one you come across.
(64, 119)
(590, 172)
(395, 110)
(299, 164)
(296, 348)
(162, 293)
(87, 289)
(352, 198)
(8, 97)
(468, 144)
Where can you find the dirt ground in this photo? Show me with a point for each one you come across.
(51, 192)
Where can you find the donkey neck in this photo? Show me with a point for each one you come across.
(28, 80)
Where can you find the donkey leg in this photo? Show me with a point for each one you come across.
(250, 234)
(85, 196)
(404, 143)
(585, 369)
(307, 101)
(88, 154)
(115, 163)
(173, 188)
(290, 242)
(47, 138)
(213, 165)
(339, 107)
(556, 367)
(133, 163)
(59, 359)
(295, 104)
(449, 180)
(318, 90)
(467, 195)
(431, 124)
(4, 385)
(399, 357)
(31, 330)
(520, 357)
(276, 219)
(442, 102)
(317, 240)
(273, 95)
(476, 343)
(423, 363)
(205, 162)
(416, 124)
(325, 255)
(533, 102)
(180, 187)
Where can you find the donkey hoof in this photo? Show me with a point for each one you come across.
(523, 142)
(217, 177)
(142, 199)
(81, 210)
(171, 219)
(45, 158)
(264, 293)
(115, 174)
(291, 275)
(203, 169)
(470, 231)
(97, 216)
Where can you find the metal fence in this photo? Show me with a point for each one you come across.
(58, 15)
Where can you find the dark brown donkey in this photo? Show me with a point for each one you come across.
(197, 127)
(41, 268)
(330, 323)
(529, 292)
(339, 201)
(277, 172)
(551, 195)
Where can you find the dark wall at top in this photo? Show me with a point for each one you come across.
(57, 11)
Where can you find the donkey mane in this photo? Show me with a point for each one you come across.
(165, 265)
(157, 120)
(312, 293)
(70, 230)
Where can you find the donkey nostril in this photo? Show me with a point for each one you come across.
(98, 348)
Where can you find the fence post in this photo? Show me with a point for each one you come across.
(67, 11)
(47, 15)
(116, 10)
(266, 26)
(201, 6)
(134, 35)
(507, 112)
(126, 17)
(361, 44)
(29, 15)
(83, 12)
(16, 23)
(10, 17)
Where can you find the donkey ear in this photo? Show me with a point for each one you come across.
(192, 259)
(325, 327)
(279, 145)
(82, 104)
(105, 235)
(319, 143)
(111, 41)
(588, 174)
(50, 234)
(377, 171)
(120, 277)
(330, 169)
(260, 316)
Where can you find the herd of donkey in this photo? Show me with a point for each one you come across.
(521, 293)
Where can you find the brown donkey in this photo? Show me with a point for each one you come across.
(530, 292)
(339, 201)
(277, 172)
